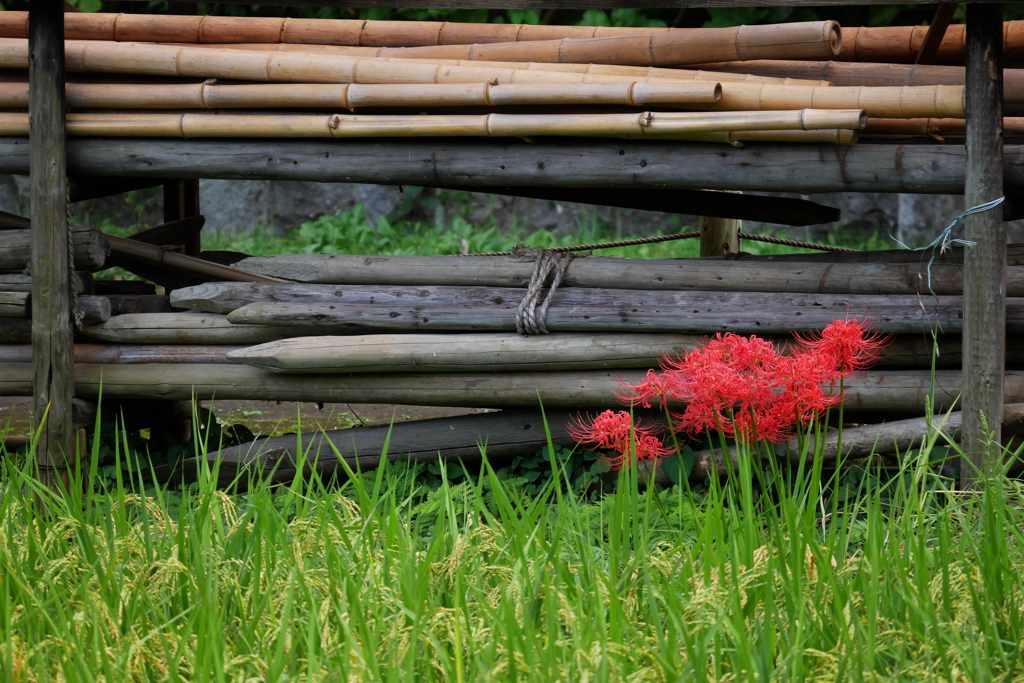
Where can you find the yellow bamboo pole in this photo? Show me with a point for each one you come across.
(208, 95)
(798, 40)
(163, 60)
(639, 73)
(645, 124)
(215, 29)
(168, 60)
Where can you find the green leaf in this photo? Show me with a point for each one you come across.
(595, 17)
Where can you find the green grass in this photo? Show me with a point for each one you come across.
(350, 233)
(378, 578)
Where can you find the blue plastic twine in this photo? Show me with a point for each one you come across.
(945, 237)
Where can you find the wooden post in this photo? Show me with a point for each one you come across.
(181, 200)
(984, 335)
(719, 236)
(51, 235)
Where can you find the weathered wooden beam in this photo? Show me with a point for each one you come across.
(595, 310)
(502, 436)
(14, 305)
(53, 377)
(189, 328)
(720, 236)
(779, 210)
(985, 306)
(936, 30)
(128, 353)
(804, 168)
(896, 392)
(181, 201)
(363, 276)
(90, 248)
(20, 282)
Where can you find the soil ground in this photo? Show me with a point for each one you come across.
(266, 417)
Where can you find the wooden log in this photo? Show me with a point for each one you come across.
(886, 438)
(14, 305)
(139, 303)
(502, 435)
(189, 328)
(719, 236)
(153, 255)
(91, 248)
(15, 331)
(633, 310)
(503, 352)
(951, 255)
(329, 96)
(741, 275)
(47, 247)
(797, 40)
(780, 210)
(894, 392)
(20, 282)
(9, 221)
(804, 169)
(986, 312)
(129, 354)
(91, 310)
(674, 125)
(462, 352)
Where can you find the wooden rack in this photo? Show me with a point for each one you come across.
(978, 170)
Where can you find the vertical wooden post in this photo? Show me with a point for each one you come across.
(984, 336)
(51, 275)
(181, 200)
(719, 236)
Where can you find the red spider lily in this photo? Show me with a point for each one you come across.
(615, 431)
(745, 387)
(850, 345)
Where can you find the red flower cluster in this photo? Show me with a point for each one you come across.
(616, 432)
(744, 387)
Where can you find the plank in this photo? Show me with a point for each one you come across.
(985, 307)
(338, 277)
(903, 392)
(805, 168)
(49, 240)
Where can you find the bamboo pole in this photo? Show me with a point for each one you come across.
(149, 253)
(797, 40)
(893, 392)
(306, 67)
(639, 73)
(221, 29)
(820, 275)
(905, 102)
(903, 43)
(642, 125)
(207, 95)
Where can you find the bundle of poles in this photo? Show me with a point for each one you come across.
(193, 77)
(492, 331)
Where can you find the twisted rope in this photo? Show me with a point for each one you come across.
(669, 238)
(532, 313)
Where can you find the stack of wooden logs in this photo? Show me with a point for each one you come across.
(803, 81)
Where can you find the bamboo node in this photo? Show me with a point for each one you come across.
(532, 312)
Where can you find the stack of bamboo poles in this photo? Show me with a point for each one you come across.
(519, 81)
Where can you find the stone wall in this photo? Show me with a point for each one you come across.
(237, 205)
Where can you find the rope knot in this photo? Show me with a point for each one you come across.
(532, 313)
